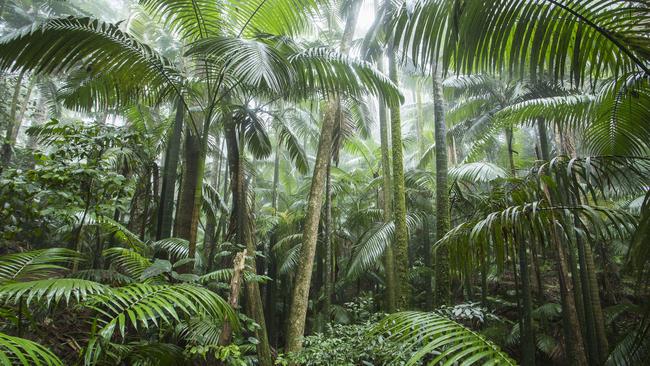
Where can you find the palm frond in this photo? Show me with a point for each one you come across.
(50, 290)
(35, 264)
(586, 38)
(441, 339)
(477, 172)
(20, 351)
(127, 261)
(294, 147)
(141, 305)
(101, 49)
(330, 72)
(176, 248)
(371, 246)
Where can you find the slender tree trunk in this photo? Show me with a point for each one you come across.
(424, 232)
(254, 304)
(7, 146)
(511, 158)
(428, 261)
(543, 139)
(239, 263)
(387, 206)
(272, 287)
(578, 294)
(420, 116)
(537, 269)
(526, 322)
(242, 225)
(327, 241)
(590, 325)
(146, 203)
(593, 308)
(300, 296)
(177, 210)
(166, 207)
(209, 239)
(443, 283)
(573, 335)
(153, 225)
(401, 240)
(574, 343)
(484, 269)
(23, 110)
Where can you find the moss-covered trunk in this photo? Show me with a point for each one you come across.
(442, 280)
(401, 240)
(387, 206)
(166, 207)
(302, 280)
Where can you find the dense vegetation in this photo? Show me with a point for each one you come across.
(324, 182)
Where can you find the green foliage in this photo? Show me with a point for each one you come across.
(37, 264)
(348, 345)
(49, 290)
(443, 340)
(19, 351)
(141, 305)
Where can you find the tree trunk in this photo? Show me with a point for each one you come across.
(599, 347)
(592, 342)
(191, 178)
(23, 110)
(272, 287)
(575, 349)
(156, 198)
(387, 206)
(526, 322)
(198, 187)
(327, 242)
(401, 240)
(146, 204)
(543, 139)
(166, 207)
(511, 158)
(443, 285)
(573, 335)
(11, 122)
(242, 226)
(233, 298)
(209, 239)
(300, 296)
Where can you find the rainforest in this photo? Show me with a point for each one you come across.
(324, 182)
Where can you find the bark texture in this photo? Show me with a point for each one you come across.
(166, 207)
(300, 296)
(442, 281)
